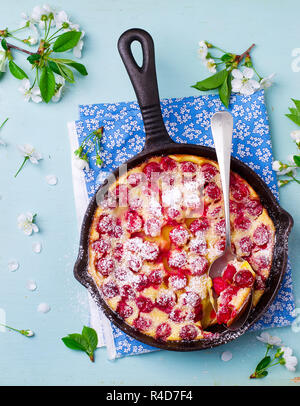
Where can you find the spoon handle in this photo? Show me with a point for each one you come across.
(221, 127)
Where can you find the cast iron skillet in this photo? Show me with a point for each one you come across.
(159, 143)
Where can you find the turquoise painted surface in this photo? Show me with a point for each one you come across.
(176, 27)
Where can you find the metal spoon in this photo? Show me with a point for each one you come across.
(221, 127)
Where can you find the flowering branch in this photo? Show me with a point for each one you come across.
(81, 153)
(229, 79)
(282, 356)
(290, 169)
(27, 333)
(50, 71)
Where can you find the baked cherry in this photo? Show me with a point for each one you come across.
(177, 315)
(261, 235)
(239, 190)
(124, 309)
(254, 207)
(213, 191)
(177, 282)
(135, 264)
(141, 282)
(219, 284)
(134, 222)
(152, 169)
(179, 236)
(209, 171)
(246, 246)
(156, 277)
(165, 302)
(188, 166)
(105, 224)
(191, 299)
(141, 323)
(199, 225)
(198, 246)
(234, 207)
(135, 179)
(121, 274)
(177, 258)
(220, 228)
(188, 332)
(167, 163)
(127, 292)
(229, 273)
(144, 304)
(223, 314)
(118, 252)
(198, 265)
(163, 331)
(244, 278)
(220, 245)
(149, 251)
(241, 222)
(105, 266)
(110, 289)
(101, 246)
(152, 227)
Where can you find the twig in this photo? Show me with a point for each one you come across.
(239, 58)
(9, 46)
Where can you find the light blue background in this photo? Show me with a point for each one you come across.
(176, 27)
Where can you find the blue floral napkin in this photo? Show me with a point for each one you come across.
(188, 121)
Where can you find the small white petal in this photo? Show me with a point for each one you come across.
(248, 73)
(31, 285)
(226, 356)
(237, 74)
(51, 180)
(13, 266)
(37, 247)
(43, 308)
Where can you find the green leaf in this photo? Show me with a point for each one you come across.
(297, 160)
(4, 44)
(66, 41)
(262, 374)
(227, 58)
(33, 58)
(75, 342)
(225, 91)
(62, 70)
(297, 104)
(263, 364)
(47, 84)
(78, 66)
(91, 336)
(16, 71)
(295, 118)
(294, 111)
(213, 81)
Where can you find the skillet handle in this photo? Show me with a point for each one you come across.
(144, 83)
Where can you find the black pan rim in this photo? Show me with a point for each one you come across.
(283, 222)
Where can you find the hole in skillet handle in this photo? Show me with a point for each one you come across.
(144, 81)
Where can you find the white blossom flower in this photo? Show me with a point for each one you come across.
(267, 81)
(28, 333)
(295, 135)
(60, 82)
(202, 50)
(2, 59)
(81, 163)
(29, 22)
(276, 165)
(243, 83)
(30, 93)
(41, 14)
(28, 151)
(62, 20)
(78, 48)
(26, 223)
(211, 65)
(30, 40)
(290, 360)
(268, 339)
